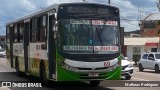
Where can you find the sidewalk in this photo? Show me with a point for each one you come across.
(4, 88)
(133, 63)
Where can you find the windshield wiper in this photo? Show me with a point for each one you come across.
(99, 36)
(105, 20)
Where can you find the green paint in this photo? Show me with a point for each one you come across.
(66, 75)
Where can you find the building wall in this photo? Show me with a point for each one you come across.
(152, 32)
(133, 43)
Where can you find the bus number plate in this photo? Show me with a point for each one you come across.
(93, 74)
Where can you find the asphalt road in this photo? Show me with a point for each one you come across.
(8, 74)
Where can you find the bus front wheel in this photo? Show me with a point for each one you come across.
(94, 83)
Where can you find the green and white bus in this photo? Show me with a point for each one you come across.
(67, 42)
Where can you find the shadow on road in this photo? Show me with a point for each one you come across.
(11, 76)
(75, 86)
(149, 71)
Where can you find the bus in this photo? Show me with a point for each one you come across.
(78, 41)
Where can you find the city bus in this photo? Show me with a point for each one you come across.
(67, 42)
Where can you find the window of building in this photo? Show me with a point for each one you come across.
(153, 49)
(149, 24)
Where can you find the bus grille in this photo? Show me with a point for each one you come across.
(92, 69)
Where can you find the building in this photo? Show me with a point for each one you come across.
(150, 26)
(134, 47)
(136, 33)
(2, 38)
(2, 41)
(149, 41)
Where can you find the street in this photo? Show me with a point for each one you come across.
(8, 74)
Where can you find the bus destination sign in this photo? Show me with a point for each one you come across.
(89, 10)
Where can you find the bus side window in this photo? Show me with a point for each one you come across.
(18, 32)
(21, 28)
(15, 33)
(33, 32)
(43, 28)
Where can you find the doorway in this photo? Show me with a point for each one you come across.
(136, 54)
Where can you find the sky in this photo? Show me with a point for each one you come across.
(131, 11)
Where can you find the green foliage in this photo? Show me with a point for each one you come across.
(158, 22)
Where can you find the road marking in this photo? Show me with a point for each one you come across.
(141, 79)
(4, 88)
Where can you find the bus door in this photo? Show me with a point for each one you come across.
(51, 46)
(11, 44)
(26, 44)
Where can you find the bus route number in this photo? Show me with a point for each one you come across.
(38, 47)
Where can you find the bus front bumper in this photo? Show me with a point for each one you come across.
(66, 75)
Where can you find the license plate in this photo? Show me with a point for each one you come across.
(93, 74)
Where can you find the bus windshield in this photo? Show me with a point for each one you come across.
(88, 36)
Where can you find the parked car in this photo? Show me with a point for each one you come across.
(127, 68)
(150, 61)
(2, 53)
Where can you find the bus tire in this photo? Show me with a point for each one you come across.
(94, 83)
(128, 77)
(17, 66)
(42, 72)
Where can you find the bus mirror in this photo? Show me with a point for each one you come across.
(55, 15)
(55, 26)
(55, 30)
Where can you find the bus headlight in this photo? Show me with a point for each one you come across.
(130, 65)
(114, 67)
(68, 67)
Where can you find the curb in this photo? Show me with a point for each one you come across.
(4, 88)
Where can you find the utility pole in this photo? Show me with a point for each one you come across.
(109, 2)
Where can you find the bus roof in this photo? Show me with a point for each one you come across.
(54, 6)
(34, 14)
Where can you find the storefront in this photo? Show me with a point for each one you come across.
(136, 46)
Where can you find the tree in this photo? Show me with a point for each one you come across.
(158, 5)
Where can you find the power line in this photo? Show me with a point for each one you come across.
(2, 26)
(129, 22)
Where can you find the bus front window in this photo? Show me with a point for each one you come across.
(87, 36)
